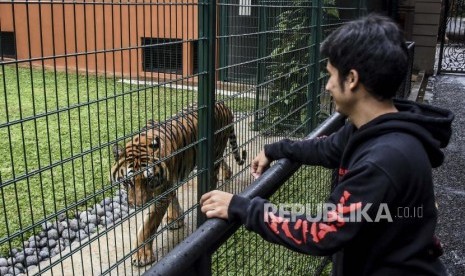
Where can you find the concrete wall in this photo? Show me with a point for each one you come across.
(424, 33)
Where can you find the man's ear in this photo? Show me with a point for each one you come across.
(353, 79)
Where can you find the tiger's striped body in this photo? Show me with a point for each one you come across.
(161, 156)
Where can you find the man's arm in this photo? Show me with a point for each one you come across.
(322, 151)
(363, 189)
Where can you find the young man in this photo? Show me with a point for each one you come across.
(384, 155)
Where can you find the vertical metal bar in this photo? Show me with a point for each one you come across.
(443, 33)
(223, 51)
(262, 37)
(314, 76)
(362, 7)
(207, 49)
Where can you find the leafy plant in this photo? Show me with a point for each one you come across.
(290, 62)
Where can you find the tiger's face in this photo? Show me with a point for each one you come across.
(139, 171)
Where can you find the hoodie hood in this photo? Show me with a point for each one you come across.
(429, 124)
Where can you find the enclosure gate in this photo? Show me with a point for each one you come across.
(452, 37)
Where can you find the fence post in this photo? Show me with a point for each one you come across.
(442, 34)
(206, 98)
(262, 49)
(314, 76)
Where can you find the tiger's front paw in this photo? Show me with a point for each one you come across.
(175, 224)
(143, 257)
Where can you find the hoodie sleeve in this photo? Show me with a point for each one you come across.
(356, 200)
(323, 151)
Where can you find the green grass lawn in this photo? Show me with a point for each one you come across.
(56, 133)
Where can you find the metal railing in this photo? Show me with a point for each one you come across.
(193, 256)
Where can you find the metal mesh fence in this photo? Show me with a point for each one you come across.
(79, 77)
(451, 53)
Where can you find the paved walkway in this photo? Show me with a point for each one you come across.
(448, 91)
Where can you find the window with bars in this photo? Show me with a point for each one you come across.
(7, 45)
(162, 55)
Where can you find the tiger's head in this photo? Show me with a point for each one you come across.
(139, 170)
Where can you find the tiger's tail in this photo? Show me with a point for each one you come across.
(240, 160)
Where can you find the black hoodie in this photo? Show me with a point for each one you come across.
(385, 218)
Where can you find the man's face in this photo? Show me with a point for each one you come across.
(342, 96)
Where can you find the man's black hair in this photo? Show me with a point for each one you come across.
(375, 47)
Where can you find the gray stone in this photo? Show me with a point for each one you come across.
(47, 225)
(19, 266)
(32, 260)
(61, 217)
(99, 210)
(116, 206)
(20, 257)
(29, 251)
(82, 234)
(14, 270)
(90, 228)
(117, 199)
(13, 251)
(53, 234)
(44, 254)
(42, 234)
(67, 243)
(3, 262)
(34, 238)
(82, 225)
(51, 243)
(84, 215)
(68, 234)
(74, 225)
(11, 261)
(43, 242)
(105, 221)
(4, 270)
(61, 226)
(33, 244)
(90, 219)
(117, 214)
(106, 201)
(56, 250)
(124, 208)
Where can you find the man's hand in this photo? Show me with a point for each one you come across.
(215, 204)
(259, 164)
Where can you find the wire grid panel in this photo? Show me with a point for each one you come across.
(282, 70)
(78, 78)
(246, 253)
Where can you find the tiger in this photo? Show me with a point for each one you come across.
(158, 158)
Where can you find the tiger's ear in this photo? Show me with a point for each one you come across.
(118, 152)
(155, 143)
